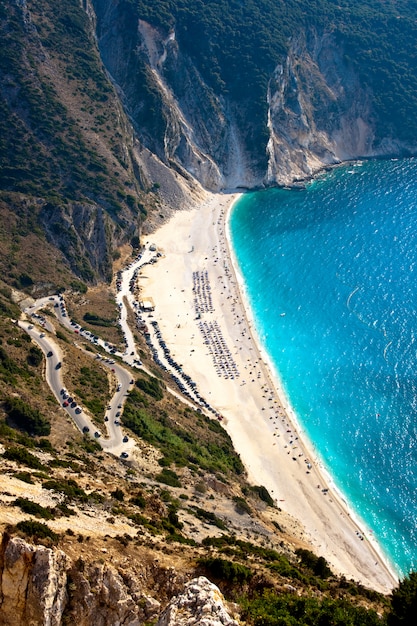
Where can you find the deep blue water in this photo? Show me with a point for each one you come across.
(339, 260)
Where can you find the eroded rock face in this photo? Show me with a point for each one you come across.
(33, 584)
(40, 585)
(318, 111)
(200, 604)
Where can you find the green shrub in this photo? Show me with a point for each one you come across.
(118, 494)
(152, 386)
(263, 494)
(37, 530)
(168, 477)
(242, 506)
(317, 564)
(25, 477)
(227, 570)
(20, 455)
(68, 487)
(96, 320)
(26, 417)
(138, 500)
(27, 506)
(210, 518)
(35, 356)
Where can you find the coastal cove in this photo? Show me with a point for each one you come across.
(329, 277)
(196, 261)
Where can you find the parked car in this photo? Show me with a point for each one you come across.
(86, 429)
(124, 455)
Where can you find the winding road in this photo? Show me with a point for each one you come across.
(42, 331)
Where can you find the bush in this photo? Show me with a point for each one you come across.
(227, 570)
(210, 518)
(151, 386)
(67, 487)
(168, 477)
(35, 356)
(20, 455)
(241, 506)
(27, 418)
(118, 495)
(25, 477)
(33, 508)
(37, 530)
(263, 494)
(404, 602)
(318, 565)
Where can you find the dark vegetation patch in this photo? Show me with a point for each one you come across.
(197, 442)
(152, 386)
(37, 531)
(27, 418)
(28, 506)
(24, 457)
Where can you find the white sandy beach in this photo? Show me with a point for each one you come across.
(220, 353)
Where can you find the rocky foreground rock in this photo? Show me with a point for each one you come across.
(41, 586)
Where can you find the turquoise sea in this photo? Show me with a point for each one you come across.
(331, 275)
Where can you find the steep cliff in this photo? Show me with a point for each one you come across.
(43, 586)
(176, 114)
(314, 108)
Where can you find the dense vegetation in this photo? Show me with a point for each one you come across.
(62, 139)
(42, 149)
(26, 417)
(180, 445)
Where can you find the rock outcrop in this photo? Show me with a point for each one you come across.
(33, 584)
(201, 604)
(319, 114)
(43, 586)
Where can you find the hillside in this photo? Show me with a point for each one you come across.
(123, 537)
(114, 114)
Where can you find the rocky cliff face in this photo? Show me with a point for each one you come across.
(33, 584)
(200, 604)
(177, 116)
(318, 113)
(43, 586)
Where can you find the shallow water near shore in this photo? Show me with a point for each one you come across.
(330, 273)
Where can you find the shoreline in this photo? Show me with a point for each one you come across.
(246, 389)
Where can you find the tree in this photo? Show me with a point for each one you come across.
(404, 602)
